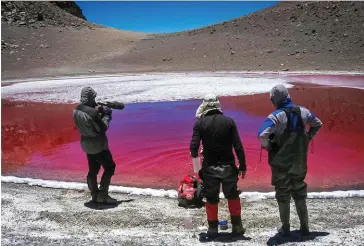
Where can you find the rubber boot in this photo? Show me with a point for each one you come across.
(284, 213)
(92, 186)
(103, 195)
(212, 220)
(235, 216)
(302, 213)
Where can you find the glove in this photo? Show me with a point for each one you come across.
(272, 146)
(107, 112)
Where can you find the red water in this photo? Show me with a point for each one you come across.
(150, 141)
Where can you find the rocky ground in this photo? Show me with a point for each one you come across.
(43, 216)
(40, 39)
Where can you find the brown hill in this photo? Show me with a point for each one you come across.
(288, 36)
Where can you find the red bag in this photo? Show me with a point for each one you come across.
(189, 192)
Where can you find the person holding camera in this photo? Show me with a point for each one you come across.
(283, 134)
(92, 121)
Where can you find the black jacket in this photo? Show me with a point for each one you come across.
(219, 135)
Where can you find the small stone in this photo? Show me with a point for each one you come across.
(232, 52)
(286, 69)
(22, 23)
(345, 35)
(270, 51)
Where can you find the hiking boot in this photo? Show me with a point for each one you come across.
(284, 213)
(302, 213)
(103, 197)
(94, 196)
(212, 231)
(93, 187)
(237, 226)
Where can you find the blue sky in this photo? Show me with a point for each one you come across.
(164, 16)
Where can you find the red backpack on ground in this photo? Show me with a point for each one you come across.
(190, 192)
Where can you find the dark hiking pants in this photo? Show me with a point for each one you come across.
(95, 161)
(214, 176)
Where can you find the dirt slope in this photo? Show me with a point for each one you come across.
(288, 36)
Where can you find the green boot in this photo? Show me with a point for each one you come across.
(237, 226)
(284, 213)
(302, 213)
(103, 195)
(92, 186)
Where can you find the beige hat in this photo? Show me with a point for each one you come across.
(210, 102)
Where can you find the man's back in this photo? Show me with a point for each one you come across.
(218, 134)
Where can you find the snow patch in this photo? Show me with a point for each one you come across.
(249, 196)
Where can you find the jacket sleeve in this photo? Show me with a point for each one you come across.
(195, 141)
(267, 130)
(238, 147)
(315, 125)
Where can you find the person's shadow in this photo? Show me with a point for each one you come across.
(224, 237)
(103, 206)
(295, 237)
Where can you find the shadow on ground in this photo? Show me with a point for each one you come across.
(103, 206)
(295, 237)
(225, 237)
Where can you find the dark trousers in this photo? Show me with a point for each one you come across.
(289, 185)
(214, 176)
(95, 161)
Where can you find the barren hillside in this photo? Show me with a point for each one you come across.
(290, 36)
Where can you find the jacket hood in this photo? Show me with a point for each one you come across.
(88, 96)
(279, 96)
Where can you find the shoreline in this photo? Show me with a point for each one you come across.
(136, 73)
(171, 193)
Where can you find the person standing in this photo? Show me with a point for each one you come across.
(92, 121)
(219, 135)
(283, 134)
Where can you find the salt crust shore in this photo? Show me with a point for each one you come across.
(33, 215)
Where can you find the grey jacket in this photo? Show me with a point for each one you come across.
(90, 124)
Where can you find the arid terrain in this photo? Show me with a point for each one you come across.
(42, 39)
(43, 216)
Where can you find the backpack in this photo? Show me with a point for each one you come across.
(190, 192)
